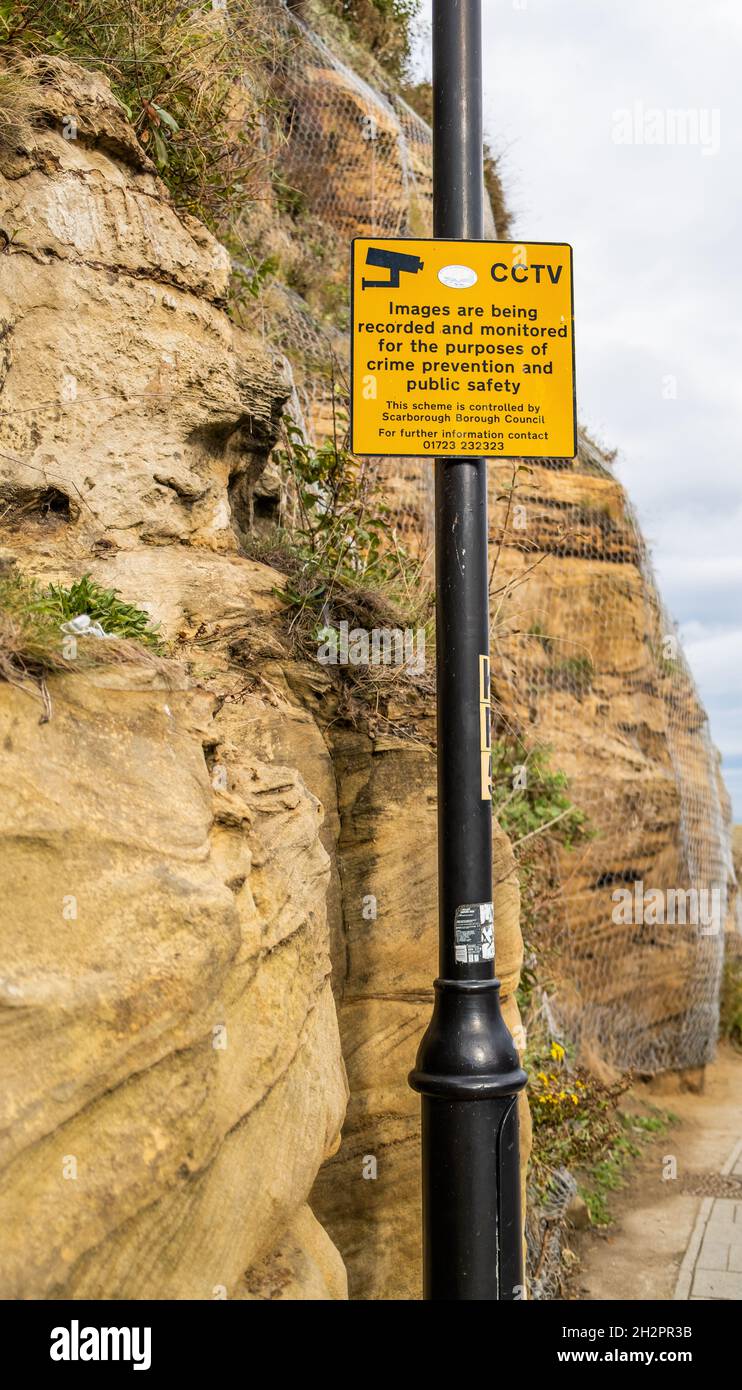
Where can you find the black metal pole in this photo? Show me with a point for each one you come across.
(467, 1068)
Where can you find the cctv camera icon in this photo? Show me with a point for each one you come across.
(393, 261)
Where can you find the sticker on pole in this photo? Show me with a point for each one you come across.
(462, 348)
(474, 933)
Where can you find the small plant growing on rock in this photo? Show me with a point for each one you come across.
(33, 644)
(572, 673)
(342, 547)
(348, 577)
(538, 804)
(342, 519)
(104, 606)
(577, 1124)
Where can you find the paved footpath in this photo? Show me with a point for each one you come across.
(678, 1238)
(711, 1269)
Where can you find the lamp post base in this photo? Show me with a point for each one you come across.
(468, 1074)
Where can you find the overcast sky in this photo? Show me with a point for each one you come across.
(658, 273)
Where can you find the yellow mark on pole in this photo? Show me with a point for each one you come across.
(462, 348)
(485, 727)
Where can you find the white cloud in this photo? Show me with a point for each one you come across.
(715, 659)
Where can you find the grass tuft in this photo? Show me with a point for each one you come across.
(184, 74)
(20, 105)
(33, 645)
(103, 606)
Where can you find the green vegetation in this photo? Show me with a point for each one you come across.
(102, 606)
(543, 802)
(340, 548)
(18, 104)
(30, 641)
(342, 518)
(608, 1173)
(577, 1124)
(32, 644)
(532, 805)
(574, 673)
(575, 1116)
(536, 630)
(730, 1023)
(384, 27)
(178, 70)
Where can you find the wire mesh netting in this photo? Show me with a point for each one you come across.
(587, 667)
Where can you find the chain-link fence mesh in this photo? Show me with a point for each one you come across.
(587, 665)
(587, 668)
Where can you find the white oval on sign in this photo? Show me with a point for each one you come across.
(457, 277)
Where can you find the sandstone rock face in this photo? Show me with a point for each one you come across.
(368, 1195)
(360, 156)
(333, 111)
(154, 406)
(191, 843)
(304, 1265)
(174, 1075)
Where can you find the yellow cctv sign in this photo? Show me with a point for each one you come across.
(462, 347)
